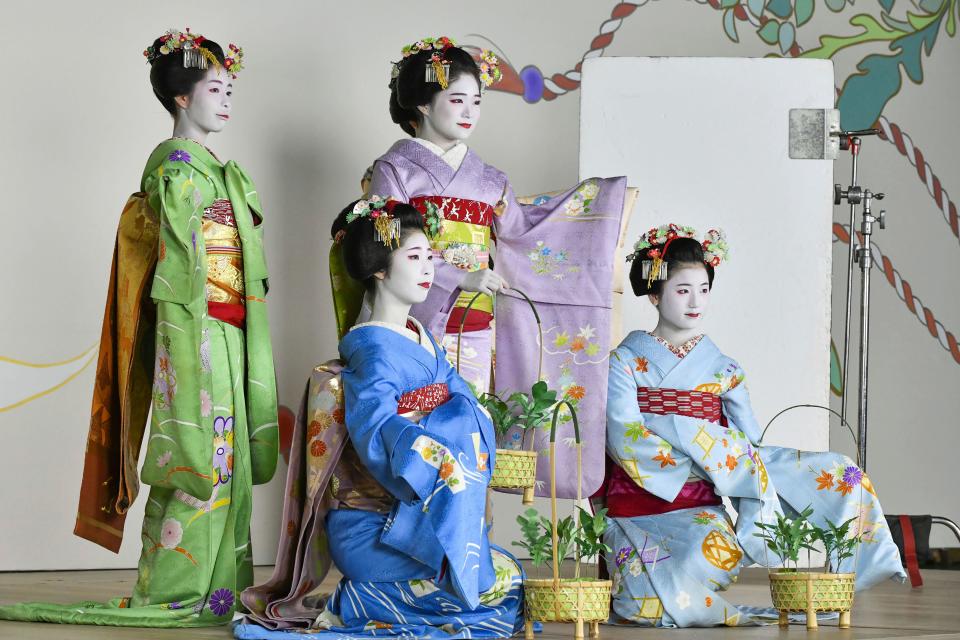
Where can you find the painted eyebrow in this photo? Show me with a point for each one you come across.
(687, 284)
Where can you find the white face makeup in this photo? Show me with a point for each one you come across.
(409, 276)
(683, 300)
(207, 108)
(453, 113)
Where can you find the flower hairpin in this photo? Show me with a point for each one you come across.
(490, 72)
(437, 69)
(715, 249)
(195, 55)
(652, 246)
(380, 210)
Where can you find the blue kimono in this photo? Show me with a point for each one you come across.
(419, 564)
(668, 567)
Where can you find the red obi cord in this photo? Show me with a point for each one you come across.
(458, 209)
(235, 314)
(624, 498)
(424, 399)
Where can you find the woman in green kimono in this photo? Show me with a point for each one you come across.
(189, 339)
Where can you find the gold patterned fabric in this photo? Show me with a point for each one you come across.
(224, 255)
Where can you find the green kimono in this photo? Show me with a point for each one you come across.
(214, 429)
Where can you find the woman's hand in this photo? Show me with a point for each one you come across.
(483, 281)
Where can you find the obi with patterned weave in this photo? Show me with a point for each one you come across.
(464, 243)
(424, 399)
(692, 404)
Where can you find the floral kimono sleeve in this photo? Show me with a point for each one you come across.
(736, 403)
(646, 457)
(174, 193)
(382, 438)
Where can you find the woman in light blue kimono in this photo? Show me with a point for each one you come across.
(681, 434)
(407, 525)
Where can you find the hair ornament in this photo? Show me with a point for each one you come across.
(490, 72)
(380, 211)
(195, 55)
(438, 69)
(652, 247)
(715, 249)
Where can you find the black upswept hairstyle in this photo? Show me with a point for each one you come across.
(410, 90)
(363, 254)
(170, 79)
(681, 251)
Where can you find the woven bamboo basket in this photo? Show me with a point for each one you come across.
(512, 468)
(806, 591)
(515, 469)
(578, 599)
(813, 592)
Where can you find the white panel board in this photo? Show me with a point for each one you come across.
(706, 142)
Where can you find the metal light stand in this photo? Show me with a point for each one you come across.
(863, 255)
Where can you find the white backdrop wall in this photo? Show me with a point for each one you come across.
(78, 119)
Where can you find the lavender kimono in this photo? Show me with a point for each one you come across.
(667, 567)
(558, 250)
(413, 551)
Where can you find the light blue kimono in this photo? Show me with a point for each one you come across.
(668, 567)
(426, 568)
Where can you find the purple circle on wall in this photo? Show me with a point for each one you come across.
(532, 83)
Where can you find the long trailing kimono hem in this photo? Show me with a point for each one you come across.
(668, 568)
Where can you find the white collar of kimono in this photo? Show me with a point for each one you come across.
(453, 157)
(419, 336)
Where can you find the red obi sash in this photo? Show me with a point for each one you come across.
(693, 404)
(624, 499)
(457, 209)
(424, 399)
(471, 212)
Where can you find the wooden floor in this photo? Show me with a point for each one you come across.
(886, 611)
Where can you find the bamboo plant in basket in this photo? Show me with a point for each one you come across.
(810, 591)
(521, 412)
(578, 599)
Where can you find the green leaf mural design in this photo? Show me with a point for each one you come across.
(867, 92)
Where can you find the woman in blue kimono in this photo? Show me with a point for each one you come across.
(407, 531)
(681, 434)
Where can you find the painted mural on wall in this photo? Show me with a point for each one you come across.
(910, 31)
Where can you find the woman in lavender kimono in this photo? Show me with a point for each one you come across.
(406, 527)
(681, 434)
(559, 251)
